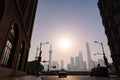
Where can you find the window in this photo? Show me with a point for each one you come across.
(6, 53)
(18, 61)
(20, 56)
(9, 49)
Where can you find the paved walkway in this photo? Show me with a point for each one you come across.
(22, 78)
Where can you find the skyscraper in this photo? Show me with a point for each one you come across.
(81, 60)
(72, 65)
(77, 66)
(80, 64)
(68, 67)
(110, 14)
(62, 64)
(50, 55)
(90, 61)
(84, 68)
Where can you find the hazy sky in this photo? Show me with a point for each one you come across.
(77, 21)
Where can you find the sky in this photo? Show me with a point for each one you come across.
(70, 22)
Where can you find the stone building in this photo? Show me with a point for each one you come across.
(16, 25)
(110, 13)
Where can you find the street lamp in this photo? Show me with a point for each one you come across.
(104, 57)
(37, 53)
(39, 57)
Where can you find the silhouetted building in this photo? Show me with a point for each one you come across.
(16, 25)
(110, 13)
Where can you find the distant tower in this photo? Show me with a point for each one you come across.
(72, 64)
(80, 64)
(50, 55)
(68, 67)
(90, 61)
(62, 64)
(80, 60)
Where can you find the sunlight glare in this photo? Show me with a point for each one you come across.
(65, 43)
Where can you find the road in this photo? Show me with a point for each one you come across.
(78, 78)
(56, 78)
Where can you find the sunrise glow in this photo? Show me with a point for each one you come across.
(65, 43)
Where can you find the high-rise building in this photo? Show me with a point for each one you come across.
(77, 65)
(72, 64)
(81, 60)
(16, 25)
(50, 55)
(90, 61)
(62, 64)
(84, 68)
(80, 64)
(110, 14)
(68, 67)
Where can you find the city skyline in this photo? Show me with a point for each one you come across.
(76, 63)
(77, 21)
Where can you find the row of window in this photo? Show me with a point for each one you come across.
(9, 51)
(9, 46)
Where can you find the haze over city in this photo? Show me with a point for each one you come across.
(70, 22)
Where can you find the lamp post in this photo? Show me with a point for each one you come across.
(104, 57)
(37, 53)
(39, 57)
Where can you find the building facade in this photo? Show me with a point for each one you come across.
(16, 25)
(110, 14)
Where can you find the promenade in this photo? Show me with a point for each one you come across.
(21, 78)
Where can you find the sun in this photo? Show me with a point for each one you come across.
(65, 43)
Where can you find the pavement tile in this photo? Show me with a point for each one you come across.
(22, 78)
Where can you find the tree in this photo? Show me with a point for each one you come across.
(32, 67)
